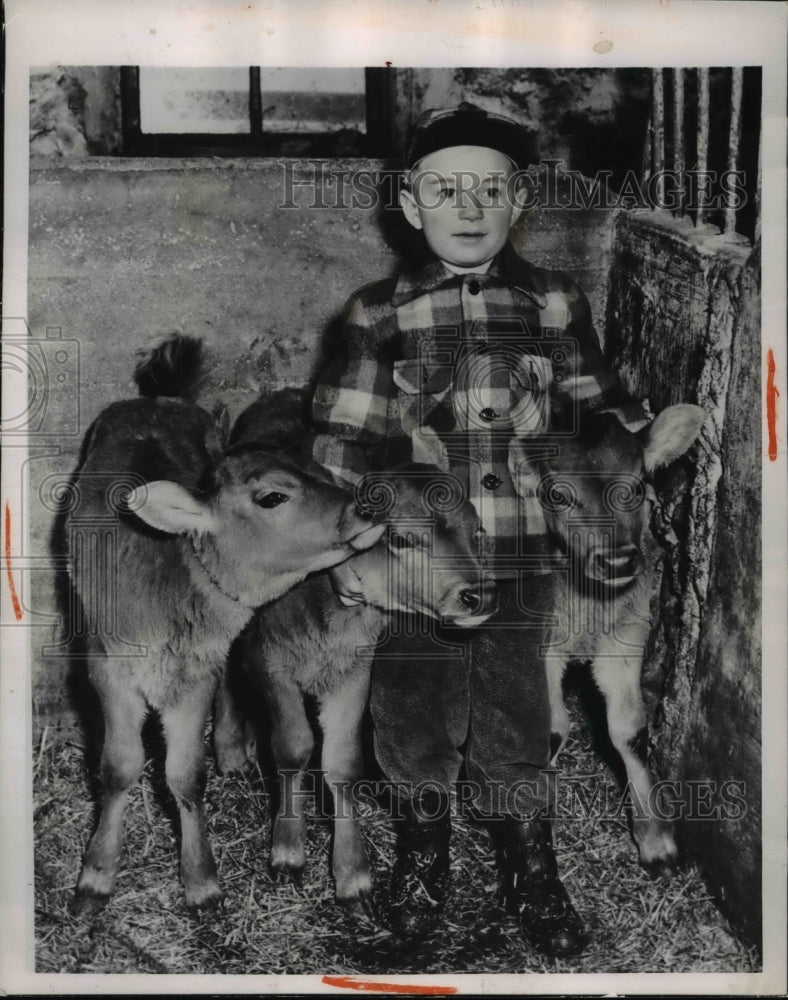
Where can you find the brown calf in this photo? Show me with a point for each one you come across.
(307, 643)
(591, 490)
(172, 545)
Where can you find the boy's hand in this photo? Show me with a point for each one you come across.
(347, 585)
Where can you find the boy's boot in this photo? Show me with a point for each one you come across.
(420, 877)
(532, 888)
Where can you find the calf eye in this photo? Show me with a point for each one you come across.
(421, 542)
(556, 497)
(397, 541)
(625, 494)
(271, 499)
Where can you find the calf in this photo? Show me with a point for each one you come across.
(591, 488)
(172, 545)
(307, 643)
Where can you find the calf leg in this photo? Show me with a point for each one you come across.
(231, 740)
(560, 723)
(292, 744)
(184, 728)
(122, 761)
(341, 711)
(619, 681)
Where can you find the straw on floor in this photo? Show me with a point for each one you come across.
(637, 924)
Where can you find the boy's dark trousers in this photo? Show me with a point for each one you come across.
(483, 703)
(487, 692)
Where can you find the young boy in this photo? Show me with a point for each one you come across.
(447, 364)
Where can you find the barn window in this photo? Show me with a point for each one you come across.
(261, 111)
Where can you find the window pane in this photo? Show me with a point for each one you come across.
(194, 100)
(303, 99)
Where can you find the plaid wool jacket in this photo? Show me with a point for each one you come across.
(459, 371)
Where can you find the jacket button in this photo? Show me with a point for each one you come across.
(487, 414)
(474, 287)
(491, 481)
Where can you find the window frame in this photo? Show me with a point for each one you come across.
(377, 142)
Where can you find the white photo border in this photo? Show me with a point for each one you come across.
(408, 33)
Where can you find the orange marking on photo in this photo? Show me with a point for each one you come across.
(771, 404)
(7, 551)
(372, 986)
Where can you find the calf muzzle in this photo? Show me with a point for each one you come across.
(361, 529)
(481, 602)
(616, 567)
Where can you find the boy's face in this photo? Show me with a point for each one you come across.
(459, 198)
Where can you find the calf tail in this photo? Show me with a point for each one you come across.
(171, 368)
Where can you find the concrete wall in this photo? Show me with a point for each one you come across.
(684, 326)
(123, 251)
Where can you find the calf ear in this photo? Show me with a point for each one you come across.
(169, 507)
(670, 434)
(221, 418)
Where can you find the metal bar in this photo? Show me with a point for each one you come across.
(678, 135)
(658, 105)
(380, 83)
(130, 108)
(255, 102)
(703, 141)
(734, 139)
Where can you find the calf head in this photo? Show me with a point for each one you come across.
(592, 488)
(428, 561)
(271, 520)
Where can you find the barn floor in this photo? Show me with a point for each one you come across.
(637, 925)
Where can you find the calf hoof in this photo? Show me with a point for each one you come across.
(287, 873)
(661, 867)
(88, 904)
(204, 899)
(658, 854)
(361, 909)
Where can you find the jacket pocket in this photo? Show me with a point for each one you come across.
(530, 383)
(418, 376)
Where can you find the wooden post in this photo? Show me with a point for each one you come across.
(648, 149)
(658, 112)
(678, 135)
(703, 140)
(734, 138)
